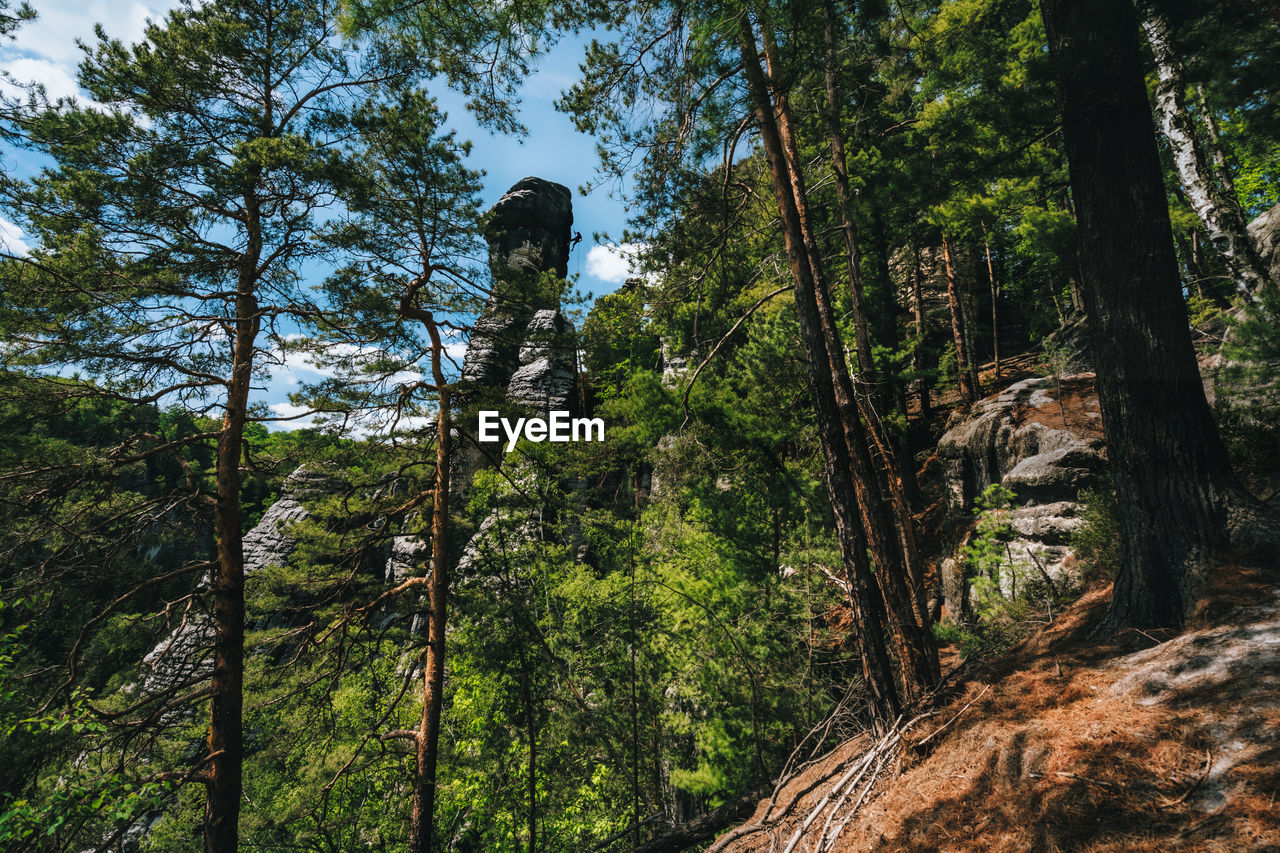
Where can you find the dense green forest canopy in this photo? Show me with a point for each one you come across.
(857, 220)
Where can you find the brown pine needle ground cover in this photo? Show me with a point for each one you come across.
(1143, 742)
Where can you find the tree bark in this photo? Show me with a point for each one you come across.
(891, 548)
(851, 480)
(427, 740)
(873, 652)
(917, 356)
(844, 200)
(1218, 210)
(1179, 500)
(224, 782)
(995, 296)
(965, 373)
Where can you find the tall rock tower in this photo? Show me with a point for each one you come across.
(521, 343)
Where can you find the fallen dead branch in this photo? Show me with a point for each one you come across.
(860, 776)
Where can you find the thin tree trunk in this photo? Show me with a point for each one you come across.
(844, 201)
(1221, 166)
(531, 731)
(1180, 503)
(969, 387)
(917, 356)
(844, 442)
(1218, 211)
(918, 651)
(226, 715)
(995, 296)
(900, 478)
(427, 740)
(820, 363)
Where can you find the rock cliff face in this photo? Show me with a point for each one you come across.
(528, 229)
(519, 341)
(1265, 232)
(1041, 439)
(545, 378)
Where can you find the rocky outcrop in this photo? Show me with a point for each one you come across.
(271, 541)
(1265, 233)
(528, 229)
(522, 348)
(528, 235)
(1041, 439)
(182, 657)
(545, 378)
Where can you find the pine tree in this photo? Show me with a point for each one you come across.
(173, 227)
(1181, 505)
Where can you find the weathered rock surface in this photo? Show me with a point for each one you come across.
(546, 376)
(1265, 233)
(270, 542)
(522, 348)
(182, 657)
(528, 234)
(1042, 440)
(528, 230)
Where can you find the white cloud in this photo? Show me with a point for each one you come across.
(45, 50)
(56, 78)
(289, 410)
(53, 34)
(11, 239)
(614, 264)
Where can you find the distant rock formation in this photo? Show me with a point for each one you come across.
(521, 330)
(183, 656)
(521, 350)
(1042, 440)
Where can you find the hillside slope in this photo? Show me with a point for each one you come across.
(1141, 742)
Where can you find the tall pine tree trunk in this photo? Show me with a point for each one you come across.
(1218, 210)
(889, 539)
(852, 481)
(965, 372)
(917, 355)
(844, 199)
(427, 736)
(223, 781)
(995, 297)
(1180, 504)
(888, 535)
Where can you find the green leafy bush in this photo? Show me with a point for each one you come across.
(1097, 541)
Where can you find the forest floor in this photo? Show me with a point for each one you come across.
(1144, 741)
(1140, 742)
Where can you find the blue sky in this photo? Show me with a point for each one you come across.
(45, 51)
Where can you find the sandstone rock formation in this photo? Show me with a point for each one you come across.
(1265, 233)
(182, 657)
(1042, 440)
(528, 229)
(545, 378)
(528, 235)
(521, 349)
